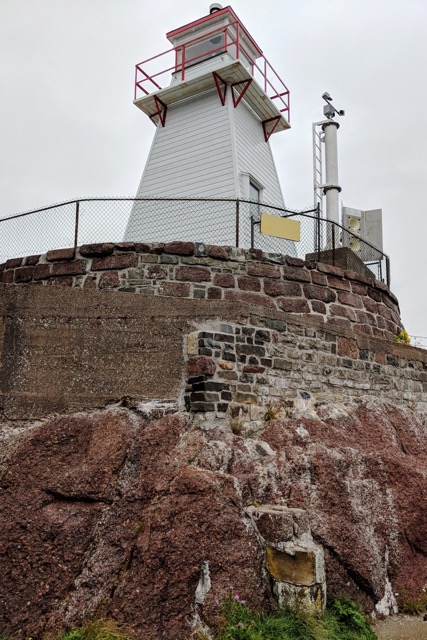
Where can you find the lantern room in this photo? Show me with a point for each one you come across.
(215, 51)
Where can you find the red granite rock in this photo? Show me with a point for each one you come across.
(115, 511)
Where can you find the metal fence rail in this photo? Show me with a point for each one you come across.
(208, 220)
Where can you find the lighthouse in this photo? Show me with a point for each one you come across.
(215, 101)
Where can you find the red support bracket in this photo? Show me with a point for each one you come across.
(221, 86)
(268, 130)
(161, 112)
(238, 96)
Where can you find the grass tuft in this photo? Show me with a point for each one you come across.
(101, 629)
(342, 621)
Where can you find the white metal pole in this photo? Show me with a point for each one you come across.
(331, 189)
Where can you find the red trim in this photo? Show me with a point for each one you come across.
(240, 95)
(222, 90)
(267, 134)
(161, 112)
(212, 16)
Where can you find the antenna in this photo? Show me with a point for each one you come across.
(325, 146)
(329, 109)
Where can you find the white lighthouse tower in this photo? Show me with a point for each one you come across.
(213, 121)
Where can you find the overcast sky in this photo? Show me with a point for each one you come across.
(69, 128)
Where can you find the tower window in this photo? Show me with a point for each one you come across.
(202, 50)
(255, 198)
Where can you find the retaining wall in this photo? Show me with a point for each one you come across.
(339, 297)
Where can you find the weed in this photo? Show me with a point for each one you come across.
(271, 412)
(414, 606)
(236, 426)
(402, 337)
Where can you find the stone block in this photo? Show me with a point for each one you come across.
(224, 280)
(24, 274)
(263, 270)
(248, 283)
(370, 305)
(214, 293)
(249, 298)
(31, 260)
(157, 247)
(348, 347)
(316, 292)
(318, 307)
(193, 274)
(350, 299)
(168, 259)
(219, 253)
(179, 248)
(74, 268)
(319, 278)
(297, 567)
(339, 283)
(250, 350)
(139, 247)
(295, 262)
(60, 254)
(281, 363)
(245, 398)
(202, 407)
(201, 365)
(281, 288)
(296, 273)
(12, 263)
(359, 288)
(210, 386)
(115, 262)
(109, 280)
(96, 250)
(61, 282)
(293, 305)
(157, 272)
(344, 312)
(175, 289)
(224, 337)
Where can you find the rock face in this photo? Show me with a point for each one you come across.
(149, 519)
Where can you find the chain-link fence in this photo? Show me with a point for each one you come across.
(208, 220)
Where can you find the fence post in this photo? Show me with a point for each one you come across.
(318, 230)
(333, 242)
(237, 222)
(76, 226)
(387, 268)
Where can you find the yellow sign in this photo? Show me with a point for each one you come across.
(280, 227)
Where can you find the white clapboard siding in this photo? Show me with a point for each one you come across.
(206, 150)
(256, 162)
(190, 157)
(254, 155)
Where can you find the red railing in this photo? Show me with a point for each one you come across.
(150, 73)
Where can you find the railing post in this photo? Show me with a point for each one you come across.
(76, 226)
(237, 222)
(387, 267)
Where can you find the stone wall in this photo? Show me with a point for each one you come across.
(268, 366)
(69, 349)
(190, 270)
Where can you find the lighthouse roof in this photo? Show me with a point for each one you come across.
(225, 15)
